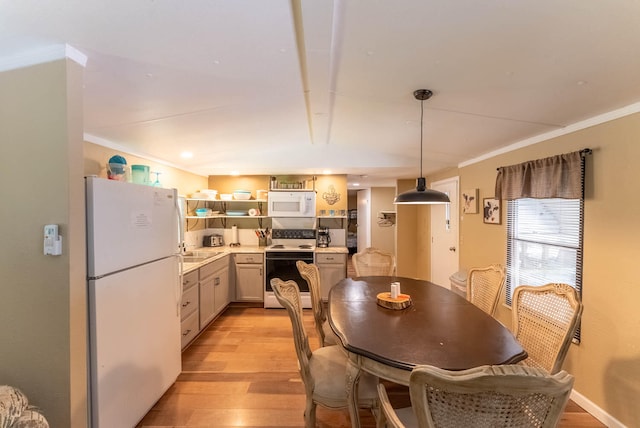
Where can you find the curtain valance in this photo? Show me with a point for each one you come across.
(560, 176)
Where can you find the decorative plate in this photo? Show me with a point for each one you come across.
(236, 213)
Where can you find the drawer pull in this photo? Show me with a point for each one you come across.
(187, 303)
(186, 333)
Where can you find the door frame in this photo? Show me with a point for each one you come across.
(363, 225)
(455, 216)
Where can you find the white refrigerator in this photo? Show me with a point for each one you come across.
(134, 298)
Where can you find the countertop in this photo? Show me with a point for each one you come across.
(227, 249)
(339, 250)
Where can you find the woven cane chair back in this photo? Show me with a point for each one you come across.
(484, 286)
(486, 396)
(374, 262)
(545, 320)
(311, 274)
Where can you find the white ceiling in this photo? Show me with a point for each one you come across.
(300, 86)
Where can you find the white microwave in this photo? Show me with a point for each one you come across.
(291, 204)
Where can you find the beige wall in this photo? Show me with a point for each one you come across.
(229, 184)
(607, 362)
(382, 238)
(43, 300)
(413, 237)
(324, 186)
(96, 157)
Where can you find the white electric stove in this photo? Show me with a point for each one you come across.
(288, 246)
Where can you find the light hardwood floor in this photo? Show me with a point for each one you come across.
(242, 372)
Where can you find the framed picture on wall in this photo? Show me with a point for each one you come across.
(470, 201)
(491, 210)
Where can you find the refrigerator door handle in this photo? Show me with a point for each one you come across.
(181, 221)
(179, 284)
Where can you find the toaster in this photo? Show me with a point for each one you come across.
(212, 241)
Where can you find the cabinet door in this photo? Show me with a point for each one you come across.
(189, 329)
(249, 282)
(207, 300)
(189, 280)
(189, 302)
(221, 291)
(330, 275)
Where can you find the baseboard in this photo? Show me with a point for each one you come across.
(596, 411)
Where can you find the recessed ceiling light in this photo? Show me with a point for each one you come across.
(581, 82)
(186, 155)
(235, 173)
(326, 172)
(355, 184)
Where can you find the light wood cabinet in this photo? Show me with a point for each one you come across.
(333, 268)
(249, 269)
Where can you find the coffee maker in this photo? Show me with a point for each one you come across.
(323, 237)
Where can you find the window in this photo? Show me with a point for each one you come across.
(544, 243)
(545, 212)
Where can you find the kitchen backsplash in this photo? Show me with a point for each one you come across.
(338, 237)
(193, 239)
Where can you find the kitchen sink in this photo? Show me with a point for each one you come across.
(194, 259)
(198, 256)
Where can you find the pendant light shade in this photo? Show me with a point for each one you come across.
(422, 195)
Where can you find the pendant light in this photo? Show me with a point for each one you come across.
(422, 195)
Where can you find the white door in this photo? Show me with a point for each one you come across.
(364, 219)
(444, 234)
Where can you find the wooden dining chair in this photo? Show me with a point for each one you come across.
(324, 370)
(311, 274)
(545, 319)
(484, 286)
(485, 396)
(374, 262)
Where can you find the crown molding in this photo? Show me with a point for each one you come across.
(42, 55)
(587, 123)
(94, 139)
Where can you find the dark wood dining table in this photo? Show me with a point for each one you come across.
(439, 328)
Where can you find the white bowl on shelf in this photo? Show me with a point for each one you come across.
(209, 194)
(242, 195)
(226, 196)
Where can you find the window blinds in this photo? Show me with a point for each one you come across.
(544, 242)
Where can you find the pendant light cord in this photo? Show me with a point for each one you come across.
(421, 130)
